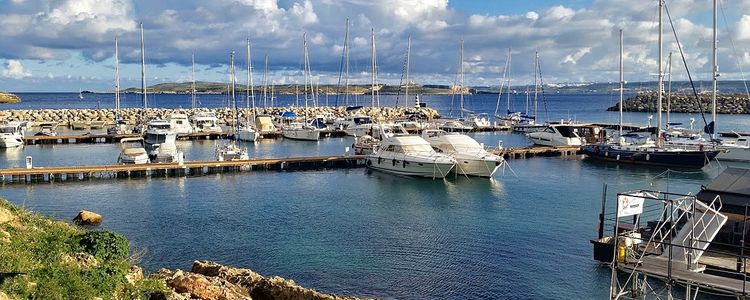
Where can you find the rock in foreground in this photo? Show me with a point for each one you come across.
(211, 281)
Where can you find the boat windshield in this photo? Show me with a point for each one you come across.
(567, 131)
(7, 129)
(159, 126)
(409, 149)
(156, 138)
(362, 120)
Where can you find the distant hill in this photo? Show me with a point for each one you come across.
(9, 98)
(221, 88)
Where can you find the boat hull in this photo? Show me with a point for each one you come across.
(476, 167)
(301, 134)
(410, 168)
(11, 141)
(247, 135)
(687, 158)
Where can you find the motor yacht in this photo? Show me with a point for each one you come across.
(206, 122)
(11, 134)
(180, 124)
(410, 155)
(231, 152)
(300, 131)
(556, 136)
(133, 153)
(471, 157)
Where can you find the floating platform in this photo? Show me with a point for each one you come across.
(194, 168)
(527, 152)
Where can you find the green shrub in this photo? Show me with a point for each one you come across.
(105, 245)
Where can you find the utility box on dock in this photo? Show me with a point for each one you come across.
(29, 164)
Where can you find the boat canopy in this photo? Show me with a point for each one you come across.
(288, 115)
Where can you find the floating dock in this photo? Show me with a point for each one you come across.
(194, 168)
(528, 152)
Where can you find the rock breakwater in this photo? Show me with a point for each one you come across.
(211, 281)
(135, 115)
(681, 103)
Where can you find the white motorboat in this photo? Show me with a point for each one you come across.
(11, 134)
(167, 153)
(378, 131)
(231, 152)
(478, 122)
(180, 124)
(410, 155)
(134, 153)
(159, 132)
(247, 133)
(206, 122)
(352, 121)
(556, 136)
(365, 144)
(471, 158)
(300, 131)
(47, 129)
(455, 126)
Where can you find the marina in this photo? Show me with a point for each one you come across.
(411, 150)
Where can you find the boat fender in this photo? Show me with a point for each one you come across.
(369, 163)
(596, 149)
(394, 162)
(700, 147)
(404, 164)
(379, 159)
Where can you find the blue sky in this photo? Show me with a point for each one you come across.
(66, 45)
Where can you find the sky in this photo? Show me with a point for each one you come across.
(67, 45)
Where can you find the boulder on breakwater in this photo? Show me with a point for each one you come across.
(209, 280)
(134, 115)
(9, 98)
(686, 103)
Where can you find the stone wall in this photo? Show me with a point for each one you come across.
(134, 115)
(682, 103)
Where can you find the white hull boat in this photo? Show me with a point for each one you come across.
(158, 132)
(471, 158)
(180, 124)
(556, 136)
(11, 135)
(297, 131)
(231, 152)
(207, 123)
(247, 134)
(410, 155)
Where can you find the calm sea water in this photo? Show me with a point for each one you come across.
(522, 235)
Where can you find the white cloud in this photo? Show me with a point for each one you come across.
(305, 12)
(532, 16)
(743, 28)
(14, 69)
(574, 57)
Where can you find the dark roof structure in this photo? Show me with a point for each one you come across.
(733, 186)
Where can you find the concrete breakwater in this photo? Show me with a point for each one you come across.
(135, 115)
(682, 103)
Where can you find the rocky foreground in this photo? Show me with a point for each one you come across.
(725, 103)
(9, 98)
(134, 115)
(42, 258)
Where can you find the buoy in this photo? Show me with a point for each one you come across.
(621, 253)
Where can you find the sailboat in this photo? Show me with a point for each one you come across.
(229, 151)
(80, 94)
(120, 127)
(458, 125)
(301, 130)
(246, 132)
(648, 153)
(528, 123)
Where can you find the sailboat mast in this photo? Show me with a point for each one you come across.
(510, 63)
(714, 76)
(143, 70)
(661, 76)
(117, 81)
(372, 62)
(461, 77)
(346, 64)
(408, 54)
(669, 87)
(265, 82)
(194, 102)
(622, 79)
(304, 63)
(233, 101)
(536, 85)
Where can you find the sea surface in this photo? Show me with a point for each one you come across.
(522, 235)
